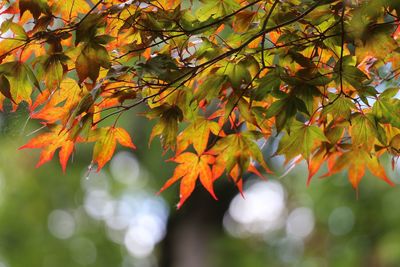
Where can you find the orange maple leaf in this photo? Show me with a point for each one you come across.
(191, 168)
(106, 141)
(357, 161)
(50, 142)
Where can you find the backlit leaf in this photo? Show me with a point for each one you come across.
(51, 141)
(190, 169)
(356, 161)
(197, 134)
(301, 140)
(106, 141)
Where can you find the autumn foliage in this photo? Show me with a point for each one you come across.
(216, 76)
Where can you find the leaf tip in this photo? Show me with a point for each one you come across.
(309, 178)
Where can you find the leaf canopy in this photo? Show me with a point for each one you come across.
(217, 77)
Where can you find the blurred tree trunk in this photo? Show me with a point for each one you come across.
(191, 230)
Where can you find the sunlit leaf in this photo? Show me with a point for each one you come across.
(106, 141)
(192, 167)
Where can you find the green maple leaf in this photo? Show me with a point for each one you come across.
(20, 78)
(340, 107)
(167, 126)
(238, 149)
(363, 131)
(300, 141)
(197, 134)
(386, 109)
(284, 111)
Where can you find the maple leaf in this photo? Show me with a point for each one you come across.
(167, 126)
(314, 163)
(88, 63)
(234, 153)
(51, 141)
(36, 7)
(284, 110)
(328, 151)
(245, 62)
(363, 131)
(243, 21)
(340, 107)
(357, 161)
(106, 140)
(301, 139)
(71, 9)
(20, 78)
(54, 69)
(191, 168)
(386, 108)
(197, 134)
(57, 105)
(211, 87)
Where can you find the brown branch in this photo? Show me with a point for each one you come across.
(263, 29)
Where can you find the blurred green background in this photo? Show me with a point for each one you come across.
(115, 217)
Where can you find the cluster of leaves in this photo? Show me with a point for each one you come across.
(216, 76)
